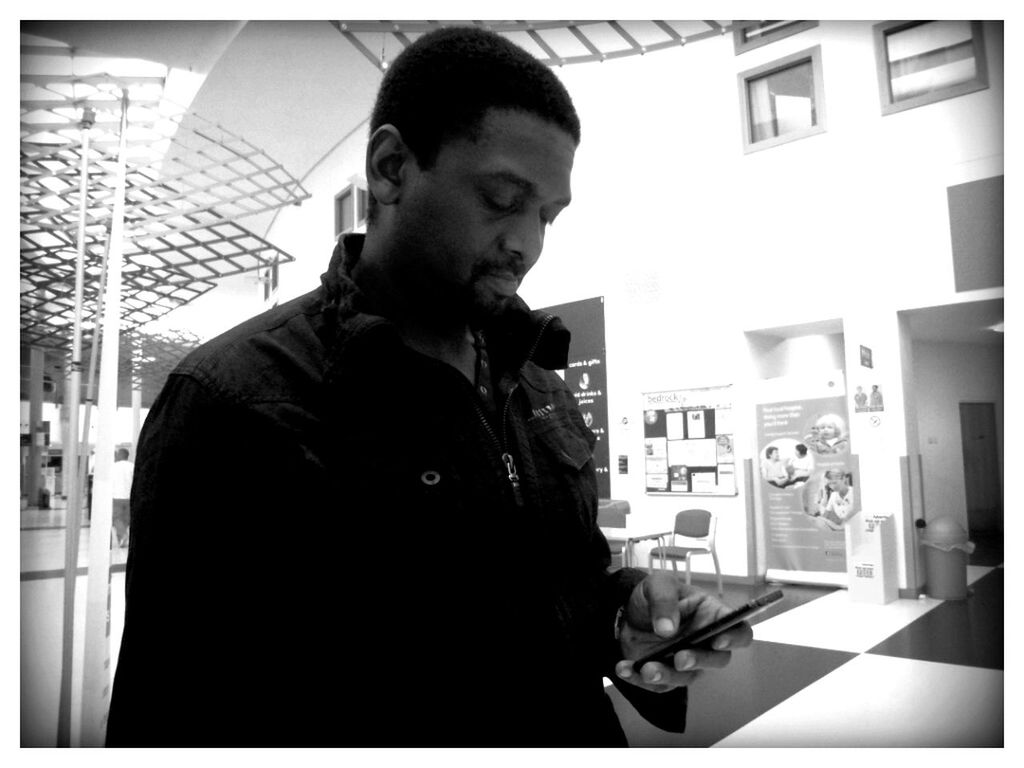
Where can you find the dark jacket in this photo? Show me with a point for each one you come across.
(326, 548)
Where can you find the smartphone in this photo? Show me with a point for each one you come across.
(703, 636)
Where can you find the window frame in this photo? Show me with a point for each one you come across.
(812, 55)
(978, 83)
(741, 45)
(358, 198)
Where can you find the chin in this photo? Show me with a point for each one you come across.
(487, 308)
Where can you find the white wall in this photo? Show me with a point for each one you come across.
(307, 231)
(692, 242)
(944, 376)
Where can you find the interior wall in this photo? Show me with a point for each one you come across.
(945, 375)
(692, 242)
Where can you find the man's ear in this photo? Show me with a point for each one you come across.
(387, 163)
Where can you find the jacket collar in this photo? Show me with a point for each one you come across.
(517, 335)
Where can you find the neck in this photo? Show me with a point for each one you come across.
(422, 328)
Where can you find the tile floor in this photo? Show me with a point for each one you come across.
(823, 671)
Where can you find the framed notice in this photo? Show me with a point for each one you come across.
(688, 442)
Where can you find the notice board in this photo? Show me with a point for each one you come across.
(688, 442)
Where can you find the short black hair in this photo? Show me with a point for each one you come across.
(441, 86)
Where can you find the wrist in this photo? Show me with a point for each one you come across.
(620, 619)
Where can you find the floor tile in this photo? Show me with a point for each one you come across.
(966, 631)
(881, 701)
(838, 622)
(757, 679)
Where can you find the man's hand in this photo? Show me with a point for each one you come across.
(660, 606)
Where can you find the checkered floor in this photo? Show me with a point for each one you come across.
(831, 672)
(823, 671)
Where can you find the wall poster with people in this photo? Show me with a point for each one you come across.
(808, 480)
(587, 376)
(688, 442)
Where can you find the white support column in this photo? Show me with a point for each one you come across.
(72, 476)
(96, 667)
(879, 437)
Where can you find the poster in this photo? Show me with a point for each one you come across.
(587, 378)
(688, 442)
(809, 483)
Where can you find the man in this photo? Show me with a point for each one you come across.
(450, 585)
(122, 482)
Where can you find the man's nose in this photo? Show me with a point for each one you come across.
(526, 238)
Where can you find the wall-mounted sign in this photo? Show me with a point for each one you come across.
(587, 376)
(809, 482)
(688, 442)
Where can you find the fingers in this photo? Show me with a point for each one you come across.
(739, 636)
(656, 677)
(661, 592)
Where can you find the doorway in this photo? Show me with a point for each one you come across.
(978, 433)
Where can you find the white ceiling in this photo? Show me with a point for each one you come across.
(291, 88)
(296, 88)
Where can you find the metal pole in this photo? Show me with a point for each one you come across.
(90, 388)
(136, 378)
(72, 480)
(96, 666)
(36, 364)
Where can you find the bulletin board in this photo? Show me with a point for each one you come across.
(688, 442)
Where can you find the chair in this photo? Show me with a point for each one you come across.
(696, 528)
(612, 514)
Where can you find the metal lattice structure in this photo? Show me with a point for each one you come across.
(187, 184)
(556, 43)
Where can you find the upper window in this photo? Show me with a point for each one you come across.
(921, 62)
(349, 210)
(782, 101)
(747, 35)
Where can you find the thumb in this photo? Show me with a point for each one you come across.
(662, 593)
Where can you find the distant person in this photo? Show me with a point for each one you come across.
(122, 483)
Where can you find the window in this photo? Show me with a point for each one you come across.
(349, 210)
(748, 35)
(921, 62)
(782, 101)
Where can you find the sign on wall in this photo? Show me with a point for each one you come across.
(688, 442)
(809, 482)
(587, 376)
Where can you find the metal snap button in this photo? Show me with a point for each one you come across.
(430, 477)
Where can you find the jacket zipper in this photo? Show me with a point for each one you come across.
(502, 444)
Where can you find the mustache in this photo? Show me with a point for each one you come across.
(513, 265)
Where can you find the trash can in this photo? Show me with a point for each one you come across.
(945, 547)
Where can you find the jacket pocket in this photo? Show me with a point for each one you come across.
(560, 435)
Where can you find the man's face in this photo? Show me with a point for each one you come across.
(473, 225)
